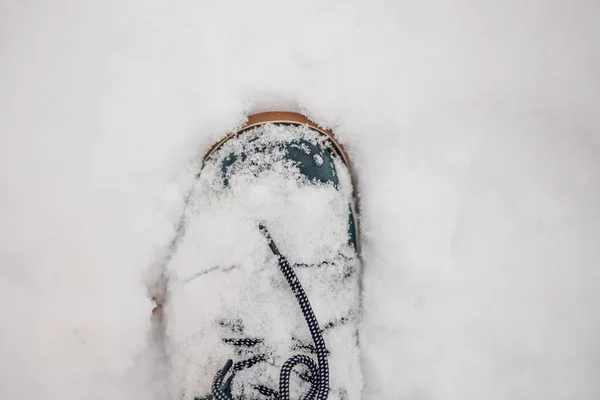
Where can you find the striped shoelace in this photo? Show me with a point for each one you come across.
(319, 389)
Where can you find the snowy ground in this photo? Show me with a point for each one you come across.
(474, 130)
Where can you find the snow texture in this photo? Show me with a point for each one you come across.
(473, 128)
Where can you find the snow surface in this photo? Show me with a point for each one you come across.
(473, 127)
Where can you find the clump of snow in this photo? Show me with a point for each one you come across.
(472, 127)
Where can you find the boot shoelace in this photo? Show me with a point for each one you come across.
(319, 389)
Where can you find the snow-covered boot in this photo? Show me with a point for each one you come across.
(264, 282)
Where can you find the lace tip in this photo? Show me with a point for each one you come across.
(263, 229)
(226, 368)
(267, 236)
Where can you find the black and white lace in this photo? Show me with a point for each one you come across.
(319, 371)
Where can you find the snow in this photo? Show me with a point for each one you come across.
(473, 127)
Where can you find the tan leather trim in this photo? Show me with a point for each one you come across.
(283, 117)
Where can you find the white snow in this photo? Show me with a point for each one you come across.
(473, 127)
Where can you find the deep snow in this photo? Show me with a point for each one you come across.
(473, 126)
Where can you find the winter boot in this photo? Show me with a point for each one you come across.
(264, 283)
